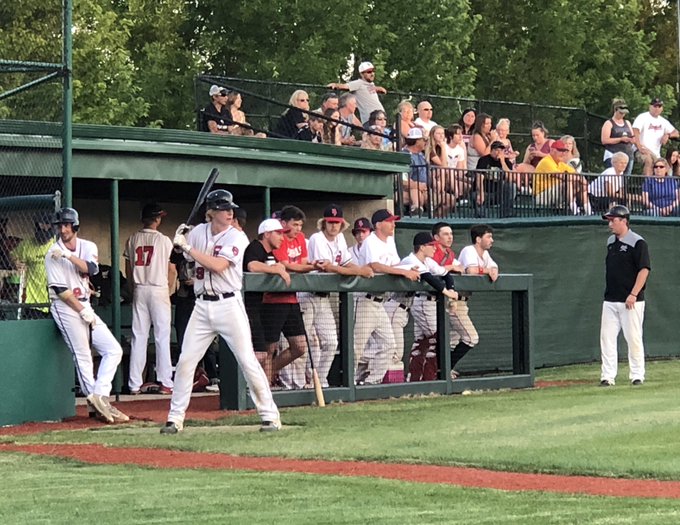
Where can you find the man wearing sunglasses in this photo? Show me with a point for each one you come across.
(617, 135)
(365, 90)
(651, 132)
(216, 117)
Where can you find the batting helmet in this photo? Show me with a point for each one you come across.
(220, 200)
(617, 211)
(67, 216)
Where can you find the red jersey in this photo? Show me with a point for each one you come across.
(291, 250)
(443, 256)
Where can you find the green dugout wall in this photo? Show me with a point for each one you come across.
(566, 258)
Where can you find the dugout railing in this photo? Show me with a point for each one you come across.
(503, 311)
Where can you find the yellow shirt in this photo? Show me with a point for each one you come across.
(548, 165)
(32, 254)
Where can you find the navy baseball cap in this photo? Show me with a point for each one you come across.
(152, 210)
(422, 239)
(383, 215)
(362, 224)
(333, 213)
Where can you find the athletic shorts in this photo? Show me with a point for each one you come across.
(256, 329)
(277, 318)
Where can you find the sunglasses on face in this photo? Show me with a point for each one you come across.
(659, 166)
(369, 71)
(303, 100)
(622, 108)
(657, 105)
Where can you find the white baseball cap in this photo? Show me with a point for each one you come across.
(216, 90)
(365, 66)
(415, 133)
(270, 225)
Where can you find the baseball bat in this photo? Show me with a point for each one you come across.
(320, 401)
(207, 186)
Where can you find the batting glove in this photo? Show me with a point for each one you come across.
(181, 241)
(183, 229)
(87, 315)
(58, 254)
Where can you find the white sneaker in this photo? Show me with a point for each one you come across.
(102, 406)
(271, 426)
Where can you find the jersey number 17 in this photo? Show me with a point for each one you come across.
(143, 255)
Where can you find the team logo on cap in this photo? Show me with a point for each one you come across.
(334, 212)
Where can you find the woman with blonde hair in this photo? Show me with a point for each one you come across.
(294, 121)
(406, 122)
(573, 156)
(436, 153)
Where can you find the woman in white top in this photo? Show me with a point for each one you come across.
(609, 188)
(457, 181)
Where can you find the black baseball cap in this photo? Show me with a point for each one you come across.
(497, 144)
(617, 211)
(422, 239)
(383, 215)
(151, 210)
(656, 102)
(240, 213)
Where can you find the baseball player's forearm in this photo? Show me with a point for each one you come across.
(209, 262)
(640, 281)
(83, 266)
(70, 299)
(298, 268)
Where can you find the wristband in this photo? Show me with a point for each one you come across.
(631, 293)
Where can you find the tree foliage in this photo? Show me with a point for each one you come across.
(135, 61)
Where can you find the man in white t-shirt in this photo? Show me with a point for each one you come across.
(476, 260)
(424, 119)
(365, 90)
(651, 132)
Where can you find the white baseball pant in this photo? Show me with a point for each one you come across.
(370, 318)
(398, 315)
(322, 332)
(226, 318)
(150, 306)
(616, 317)
(80, 339)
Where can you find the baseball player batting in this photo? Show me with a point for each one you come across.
(148, 268)
(217, 249)
(69, 263)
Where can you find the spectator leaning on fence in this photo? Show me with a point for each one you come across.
(216, 117)
(660, 193)
(493, 181)
(609, 188)
(617, 135)
(365, 90)
(651, 132)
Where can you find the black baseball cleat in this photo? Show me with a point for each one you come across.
(171, 428)
(606, 382)
(636, 382)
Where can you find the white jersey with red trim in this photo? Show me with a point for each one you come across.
(335, 251)
(469, 257)
(429, 265)
(230, 244)
(148, 252)
(62, 273)
(374, 250)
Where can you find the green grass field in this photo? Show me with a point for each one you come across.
(579, 429)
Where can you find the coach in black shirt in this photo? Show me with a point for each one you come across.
(627, 269)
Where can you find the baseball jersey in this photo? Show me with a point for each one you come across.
(335, 251)
(626, 256)
(62, 273)
(148, 252)
(469, 257)
(229, 244)
(356, 254)
(374, 250)
(652, 130)
(428, 265)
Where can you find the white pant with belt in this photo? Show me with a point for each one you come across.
(616, 317)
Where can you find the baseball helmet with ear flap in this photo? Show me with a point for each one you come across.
(67, 216)
(220, 200)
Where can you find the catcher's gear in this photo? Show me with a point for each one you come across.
(220, 200)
